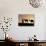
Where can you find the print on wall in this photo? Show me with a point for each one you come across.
(26, 20)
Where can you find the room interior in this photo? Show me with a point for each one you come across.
(31, 31)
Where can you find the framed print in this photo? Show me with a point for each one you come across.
(26, 20)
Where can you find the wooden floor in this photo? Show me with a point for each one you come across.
(3, 43)
(26, 43)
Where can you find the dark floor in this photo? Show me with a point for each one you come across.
(6, 44)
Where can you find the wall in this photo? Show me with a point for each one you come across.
(11, 8)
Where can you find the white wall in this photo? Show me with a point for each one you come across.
(12, 8)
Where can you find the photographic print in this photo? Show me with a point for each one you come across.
(26, 20)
